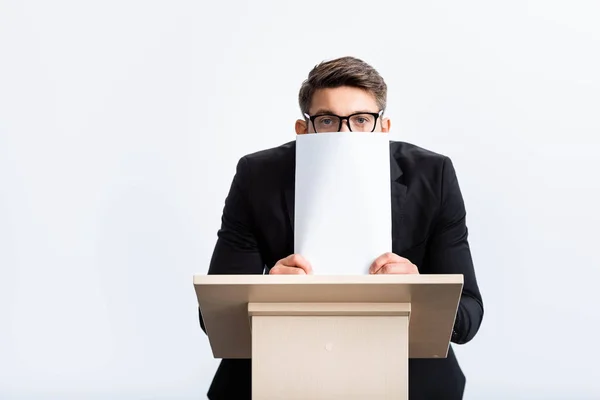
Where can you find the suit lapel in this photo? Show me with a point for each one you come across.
(290, 194)
(289, 189)
(398, 200)
(398, 192)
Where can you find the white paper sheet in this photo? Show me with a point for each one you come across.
(342, 201)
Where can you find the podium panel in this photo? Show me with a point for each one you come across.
(329, 351)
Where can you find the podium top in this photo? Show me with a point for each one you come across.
(223, 300)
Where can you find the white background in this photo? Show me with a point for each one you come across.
(121, 123)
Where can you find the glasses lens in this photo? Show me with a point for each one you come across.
(362, 123)
(327, 123)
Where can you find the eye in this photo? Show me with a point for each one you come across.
(361, 119)
(326, 120)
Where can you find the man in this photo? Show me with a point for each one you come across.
(429, 233)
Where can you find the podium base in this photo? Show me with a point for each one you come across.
(329, 350)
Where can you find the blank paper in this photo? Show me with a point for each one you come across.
(342, 201)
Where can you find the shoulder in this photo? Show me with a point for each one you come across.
(269, 165)
(279, 154)
(409, 154)
(418, 161)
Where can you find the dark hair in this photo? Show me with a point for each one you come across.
(345, 71)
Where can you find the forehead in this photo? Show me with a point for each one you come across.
(343, 100)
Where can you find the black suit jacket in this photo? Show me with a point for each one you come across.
(428, 228)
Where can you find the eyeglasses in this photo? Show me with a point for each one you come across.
(358, 122)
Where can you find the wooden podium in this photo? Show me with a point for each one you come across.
(329, 337)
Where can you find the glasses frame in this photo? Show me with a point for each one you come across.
(375, 115)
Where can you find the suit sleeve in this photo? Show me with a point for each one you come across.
(449, 253)
(236, 250)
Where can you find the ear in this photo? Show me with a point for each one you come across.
(301, 127)
(386, 125)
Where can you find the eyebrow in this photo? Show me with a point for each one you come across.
(327, 111)
(323, 111)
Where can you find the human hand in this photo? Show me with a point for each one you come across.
(293, 264)
(390, 263)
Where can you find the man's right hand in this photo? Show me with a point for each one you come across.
(294, 264)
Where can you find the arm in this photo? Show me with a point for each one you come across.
(236, 250)
(449, 253)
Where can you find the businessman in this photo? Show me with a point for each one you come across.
(429, 232)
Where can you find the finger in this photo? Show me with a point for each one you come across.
(296, 260)
(386, 258)
(380, 262)
(399, 268)
(285, 270)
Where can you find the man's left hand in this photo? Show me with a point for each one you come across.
(390, 263)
